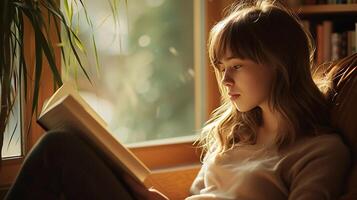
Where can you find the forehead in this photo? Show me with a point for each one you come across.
(228, 56)
(228, 43)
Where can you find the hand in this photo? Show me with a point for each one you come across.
(156, 195)
(140, 192)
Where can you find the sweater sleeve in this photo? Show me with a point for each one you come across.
(198, 183)
(321, 170)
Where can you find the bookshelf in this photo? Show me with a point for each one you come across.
(327, 9)
(333, 27)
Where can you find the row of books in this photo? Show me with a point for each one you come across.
(331, 45)
(318, 2)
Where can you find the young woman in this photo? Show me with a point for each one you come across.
(269, 139)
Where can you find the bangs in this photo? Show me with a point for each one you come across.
(239, 36)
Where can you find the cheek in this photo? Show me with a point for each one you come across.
(257, 85)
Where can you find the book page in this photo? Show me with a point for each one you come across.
(68, 89)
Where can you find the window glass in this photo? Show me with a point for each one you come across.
(144, 87)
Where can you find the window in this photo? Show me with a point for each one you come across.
(204, 99)
(146, 86)
(12, 140)
(12, 136)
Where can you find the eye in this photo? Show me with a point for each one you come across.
(236, 67)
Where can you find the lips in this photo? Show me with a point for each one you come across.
(233, 96)
(232, 93)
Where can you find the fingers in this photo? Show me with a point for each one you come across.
(157, 195)
(141, 192)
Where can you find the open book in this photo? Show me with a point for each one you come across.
(67, 110)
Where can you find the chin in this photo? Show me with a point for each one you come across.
(243, 108)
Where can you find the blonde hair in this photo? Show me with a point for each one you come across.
(267, 33)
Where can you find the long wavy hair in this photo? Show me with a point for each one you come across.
(270, 34)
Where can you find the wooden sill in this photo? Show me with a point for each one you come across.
(175, 182)
(8, 171)
(167, 153)
(174, 164)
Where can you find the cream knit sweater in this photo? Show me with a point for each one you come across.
(312, 169)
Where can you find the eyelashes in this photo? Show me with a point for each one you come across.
(235, 67)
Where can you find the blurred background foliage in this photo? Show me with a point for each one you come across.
(143, 81)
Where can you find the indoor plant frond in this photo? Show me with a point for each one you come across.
(40, 15)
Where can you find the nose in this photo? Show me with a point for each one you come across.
(227, 80)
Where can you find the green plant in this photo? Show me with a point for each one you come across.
(41, 15)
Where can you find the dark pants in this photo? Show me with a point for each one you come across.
(62, 165)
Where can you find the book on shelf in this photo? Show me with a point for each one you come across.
(66, 110)
(327, 29)
(328, 2)
(332, 44)
(320, 43)
(293, 3)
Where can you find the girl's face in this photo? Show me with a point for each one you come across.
(248, 83)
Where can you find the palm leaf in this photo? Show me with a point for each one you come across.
(13, 67)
